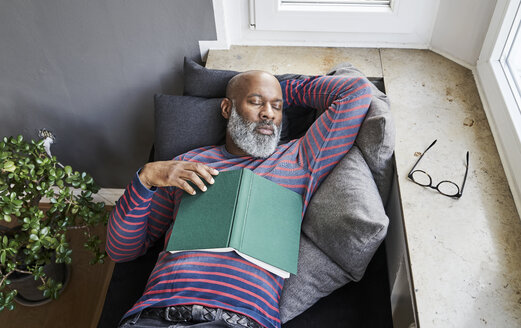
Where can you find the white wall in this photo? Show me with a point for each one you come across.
(460, 29)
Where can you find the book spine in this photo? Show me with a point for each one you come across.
(241, 210)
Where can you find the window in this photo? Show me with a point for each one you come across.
(511, 58)
(338, 2)
(400, 17)
(498, 75)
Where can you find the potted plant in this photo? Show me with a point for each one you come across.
(33, 237)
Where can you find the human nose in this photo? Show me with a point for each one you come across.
(267, 112)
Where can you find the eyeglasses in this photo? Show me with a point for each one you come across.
(445, 187)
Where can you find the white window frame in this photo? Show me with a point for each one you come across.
(499, 99)
(404, 20)
(234, 17)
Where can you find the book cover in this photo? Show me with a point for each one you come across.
(244, 212)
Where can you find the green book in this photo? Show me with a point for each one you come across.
(244, 212)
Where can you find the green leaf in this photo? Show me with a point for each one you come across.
(44, 231)
(68, 169)
(3, 257)
(33, 237)
(9, 166)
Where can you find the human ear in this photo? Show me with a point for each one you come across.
(226, 107)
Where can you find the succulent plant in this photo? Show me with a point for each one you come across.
(37, 235)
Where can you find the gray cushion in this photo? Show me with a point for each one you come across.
(200, 81)
(346, 218)
(183, 123)
(376, 137)
(345, 224)
(317, 277)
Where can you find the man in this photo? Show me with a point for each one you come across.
(205, 289)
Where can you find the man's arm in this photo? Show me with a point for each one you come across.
(146, 209)
(344, 102)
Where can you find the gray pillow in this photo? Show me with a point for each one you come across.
(376, 137)
(340, 235)
(317, 277)
(183, 123)
(350, 226)
(200, 81)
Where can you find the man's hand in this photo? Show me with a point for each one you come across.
(176, 174)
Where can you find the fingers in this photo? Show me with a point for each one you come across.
(191, 176)
(193, 173)
(205, 172)
(181, 174)
(183, 184)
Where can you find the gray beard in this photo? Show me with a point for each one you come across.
(245, 136)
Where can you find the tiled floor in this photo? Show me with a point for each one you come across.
(465, 255)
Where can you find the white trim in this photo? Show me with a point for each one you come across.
(498, 101)
(316, 42)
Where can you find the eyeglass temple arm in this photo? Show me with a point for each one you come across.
(415, 164)
(466, 172)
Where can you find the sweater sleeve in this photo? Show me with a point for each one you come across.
(139, 218)
(343, 103)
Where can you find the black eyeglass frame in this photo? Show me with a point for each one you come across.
(460, 191)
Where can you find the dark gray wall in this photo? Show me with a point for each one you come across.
(88, 70)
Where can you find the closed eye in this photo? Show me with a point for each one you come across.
(277, 105)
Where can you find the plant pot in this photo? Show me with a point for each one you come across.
(28, 292)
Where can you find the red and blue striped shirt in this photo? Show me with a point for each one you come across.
(226, 280)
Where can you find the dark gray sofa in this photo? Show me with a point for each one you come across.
(342, 277)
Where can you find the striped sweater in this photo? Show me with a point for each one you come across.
(226, 280)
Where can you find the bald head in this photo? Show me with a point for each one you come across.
(241, 83)
(253, 107)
